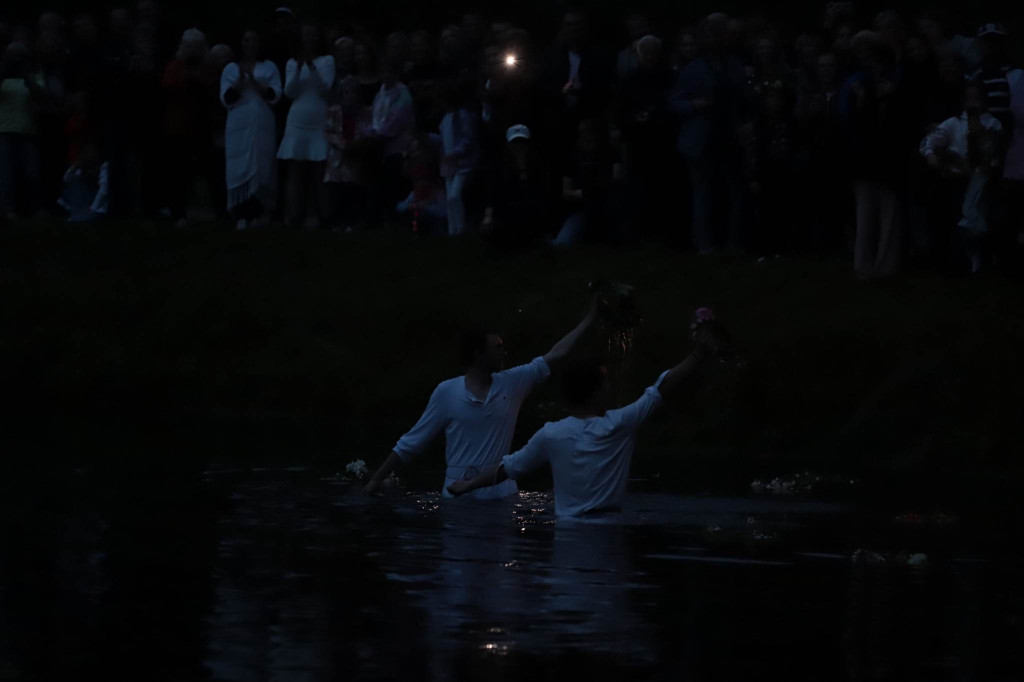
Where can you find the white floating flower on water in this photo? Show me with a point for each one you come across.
(917, 560)
(356, 469)
(868, 557)
(779, 486)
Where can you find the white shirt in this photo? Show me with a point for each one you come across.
(951, 135)
(589, 458)
(394, 117)
(309, 89)
(477, 432)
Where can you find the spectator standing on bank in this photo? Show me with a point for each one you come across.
(249, 88)
(460, 154)
(308, 80)
(22, 93)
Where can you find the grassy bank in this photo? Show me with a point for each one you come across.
(331, 344)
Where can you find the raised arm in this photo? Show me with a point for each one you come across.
(632, 416)
(560, 351)
(706, 345)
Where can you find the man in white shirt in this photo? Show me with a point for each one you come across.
(478, 411)
(590, 452)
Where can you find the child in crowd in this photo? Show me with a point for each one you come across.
(86, 186)
(426, 205)
(349, 126)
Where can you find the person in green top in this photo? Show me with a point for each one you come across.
(21, 95)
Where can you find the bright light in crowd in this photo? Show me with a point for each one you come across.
(511, 60)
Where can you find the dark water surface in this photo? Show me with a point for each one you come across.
(285, 574)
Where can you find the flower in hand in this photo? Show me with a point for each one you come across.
(707, 342)
(709, 334)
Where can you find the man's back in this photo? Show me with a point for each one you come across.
(589, 456)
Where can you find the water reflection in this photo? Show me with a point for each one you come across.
(505, 579)
(280, 575)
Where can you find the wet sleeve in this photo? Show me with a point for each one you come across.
(431, 423)
(633, 415)
(523, 378)
(531, 457)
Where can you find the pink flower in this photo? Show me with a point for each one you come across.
(704, 315)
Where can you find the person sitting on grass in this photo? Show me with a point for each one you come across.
(478, 411)
(590, 451)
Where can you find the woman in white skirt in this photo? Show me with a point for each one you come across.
(249, 88)
(308, 81)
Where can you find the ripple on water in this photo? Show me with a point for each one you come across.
(506, 579)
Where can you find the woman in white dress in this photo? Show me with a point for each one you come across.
(308, 81)
(249, 88)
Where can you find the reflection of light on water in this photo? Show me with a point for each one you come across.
(496, 648)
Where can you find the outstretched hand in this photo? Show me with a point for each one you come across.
(710, 337)
(706, 340)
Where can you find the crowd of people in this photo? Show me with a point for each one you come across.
(895, 138)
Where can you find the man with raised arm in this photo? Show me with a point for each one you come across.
(478, 411)
(590, 451)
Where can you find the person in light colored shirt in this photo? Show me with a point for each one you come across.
(394, 117)
(590, 452)
(478, 411)
(963, 149)
(308, 81)
(460, 151)
(393, 130)
(248, 89)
